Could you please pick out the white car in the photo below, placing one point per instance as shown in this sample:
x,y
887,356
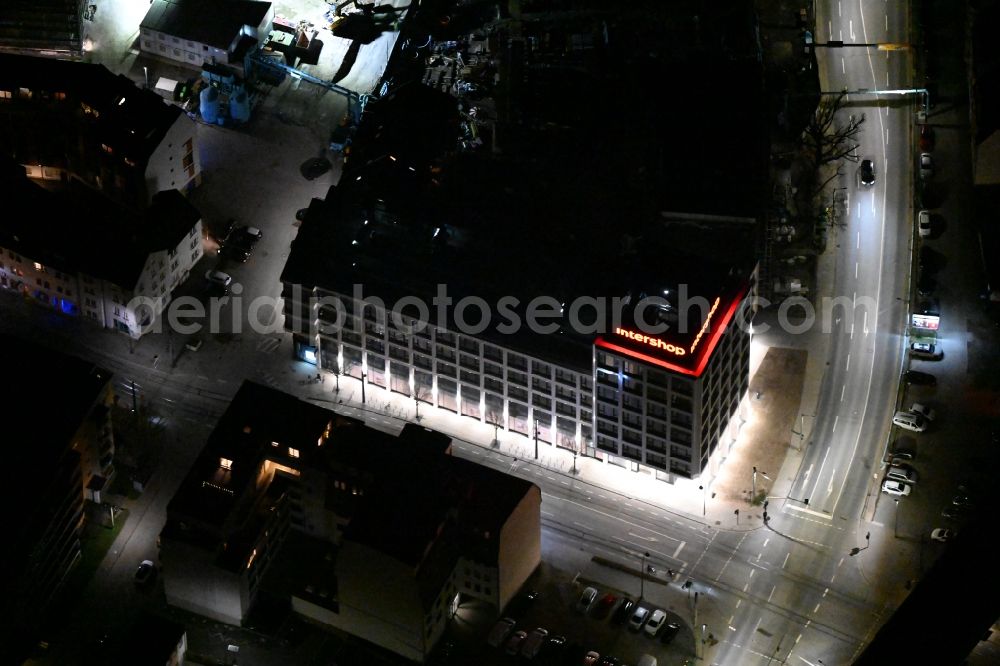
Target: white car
x,y
219,278
924,223
926,165
897,488
910,421
655,622
638,618
926,350
942,534
923,410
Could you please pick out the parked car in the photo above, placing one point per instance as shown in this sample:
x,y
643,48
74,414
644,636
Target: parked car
x,y
639,617
926,284
918,378
225,230
553,648
926,138
247,237
605,605
907,474
926,165
591,658
515,641
924,223
953,512
145,573
897,488
521,603
234,253
942,534
923,410
670,632
908,421
927,351
533,643
219,278
655,623
963,501
301,213
608,660
500,631
623,612
586,600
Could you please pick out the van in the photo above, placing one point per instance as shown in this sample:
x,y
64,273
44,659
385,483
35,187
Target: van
x,y
910,421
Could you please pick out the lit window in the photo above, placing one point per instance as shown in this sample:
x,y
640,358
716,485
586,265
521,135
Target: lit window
x,y
253,555
275,444
294,453
225,463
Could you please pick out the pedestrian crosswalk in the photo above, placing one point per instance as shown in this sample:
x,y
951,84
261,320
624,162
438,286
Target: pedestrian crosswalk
x,y
268,345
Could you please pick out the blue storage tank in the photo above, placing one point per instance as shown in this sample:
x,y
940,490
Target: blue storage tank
x,y
209,105
239,106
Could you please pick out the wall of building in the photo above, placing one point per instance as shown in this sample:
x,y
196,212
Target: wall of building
x,y
520,548
175,164
191,53
192,582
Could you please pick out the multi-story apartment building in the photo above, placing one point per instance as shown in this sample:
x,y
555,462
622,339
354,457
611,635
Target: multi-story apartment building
x,y
62,450
66,120
50,28
343,510
83,255
217,32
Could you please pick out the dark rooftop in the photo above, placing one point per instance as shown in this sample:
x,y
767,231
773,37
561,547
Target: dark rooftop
x,y
573,204
76,229
213,22
130,120
41,25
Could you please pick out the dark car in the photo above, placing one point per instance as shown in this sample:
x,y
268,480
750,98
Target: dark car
x,y
624,611
926,138
605,605
145,573
866,172
920,378
246,237
521,603
670,632
301,213
225,230
314,168
953,512
234,253
552,650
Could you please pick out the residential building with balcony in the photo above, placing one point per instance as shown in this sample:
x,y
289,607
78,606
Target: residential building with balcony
x,y
85,256
64,120
64,444
332,509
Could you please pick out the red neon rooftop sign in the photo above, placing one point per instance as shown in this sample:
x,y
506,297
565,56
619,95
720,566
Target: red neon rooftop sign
x,y
674,356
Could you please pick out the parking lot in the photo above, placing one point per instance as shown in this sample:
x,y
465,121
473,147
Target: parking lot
x,y
554,609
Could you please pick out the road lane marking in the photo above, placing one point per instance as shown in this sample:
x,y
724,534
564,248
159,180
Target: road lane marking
x,y
843,65
786,560
639,536
773,587
848,366
866,323
680,546
842,389
859,233
815,610
850,25
855,270
802,509
835,419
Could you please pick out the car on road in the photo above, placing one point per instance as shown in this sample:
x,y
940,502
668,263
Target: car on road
x,y
145,573
866,172
639,617
897,488
926,138
926,165
655,623
918,378
923,410
924,223
500,631
669,632
927,351
942,534
533,643
899,473
591,658
515,641
219,278
586,600
623,612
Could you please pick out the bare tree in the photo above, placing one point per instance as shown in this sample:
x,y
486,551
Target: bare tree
x,y
421,393
824,140
495,419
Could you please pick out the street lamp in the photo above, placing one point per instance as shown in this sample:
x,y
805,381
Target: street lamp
x,y
364,376
753,494
895,525
642,575
703,500
536,439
